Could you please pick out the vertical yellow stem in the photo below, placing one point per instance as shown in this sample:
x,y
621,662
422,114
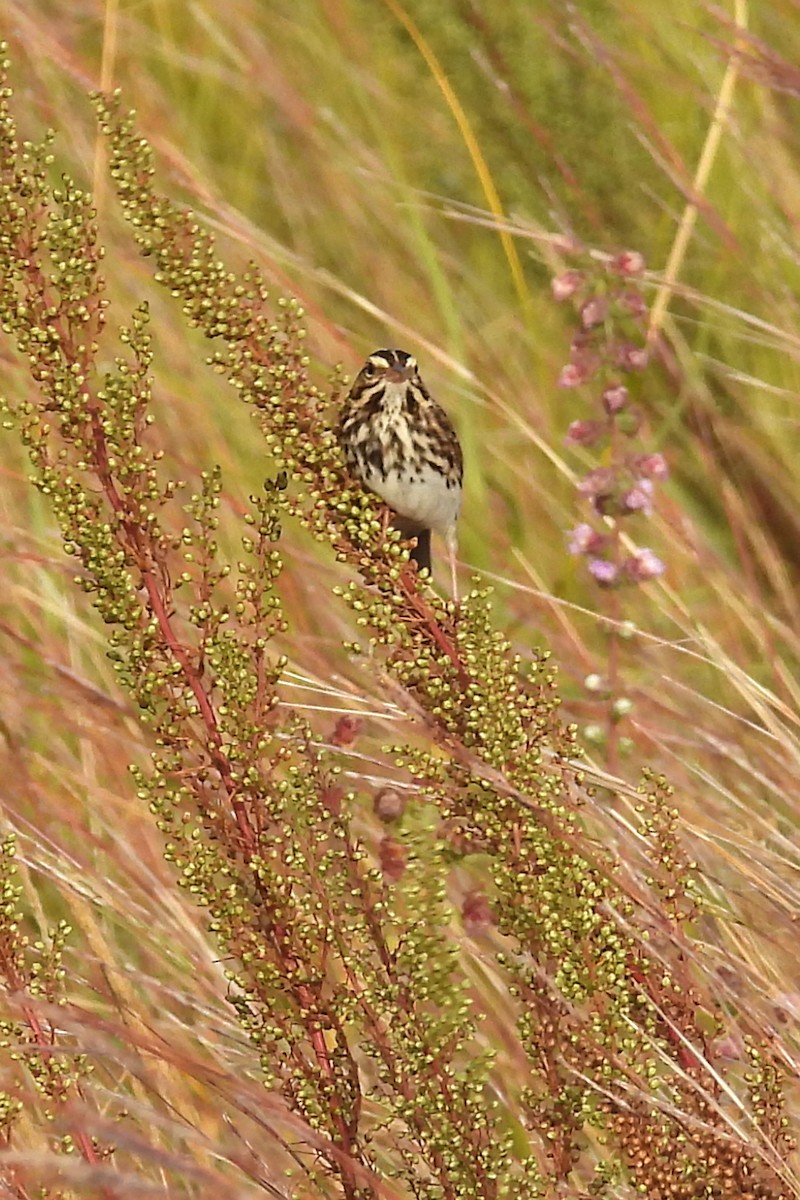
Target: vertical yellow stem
x,y
471,142
683,236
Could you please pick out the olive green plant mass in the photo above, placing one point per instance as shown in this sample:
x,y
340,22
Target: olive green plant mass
x,y
344,900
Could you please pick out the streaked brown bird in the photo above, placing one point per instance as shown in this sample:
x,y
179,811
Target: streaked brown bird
x,y
401,445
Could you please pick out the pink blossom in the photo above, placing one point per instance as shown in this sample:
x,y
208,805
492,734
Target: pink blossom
x,y
639,498
598,482
583,539
644,565
652,466
594,312
566,285
603,572
572,375
629,262
615,397
631,358
585,433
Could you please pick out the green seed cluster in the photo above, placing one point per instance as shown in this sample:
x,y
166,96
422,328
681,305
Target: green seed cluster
x,y
590,1005
433,1081
673,875
45,1068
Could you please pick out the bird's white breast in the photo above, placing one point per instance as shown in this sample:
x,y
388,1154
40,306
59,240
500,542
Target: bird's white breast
x,y
420,495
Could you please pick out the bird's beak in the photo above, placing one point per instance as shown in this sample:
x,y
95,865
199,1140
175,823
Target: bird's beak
x,y
399,376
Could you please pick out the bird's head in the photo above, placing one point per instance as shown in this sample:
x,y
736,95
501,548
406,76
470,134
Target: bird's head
x,y
387,366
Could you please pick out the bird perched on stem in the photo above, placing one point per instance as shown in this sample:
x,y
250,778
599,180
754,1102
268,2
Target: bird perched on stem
x,y
401,445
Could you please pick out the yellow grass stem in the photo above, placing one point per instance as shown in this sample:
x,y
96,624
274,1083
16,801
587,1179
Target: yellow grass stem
x,y
471,142
719,121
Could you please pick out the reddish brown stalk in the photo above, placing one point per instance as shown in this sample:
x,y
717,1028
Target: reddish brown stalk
x,y
176,648
427,618
45,1048
39,293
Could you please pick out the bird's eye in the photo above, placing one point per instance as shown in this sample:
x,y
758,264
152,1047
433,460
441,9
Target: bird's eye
x,y
369,371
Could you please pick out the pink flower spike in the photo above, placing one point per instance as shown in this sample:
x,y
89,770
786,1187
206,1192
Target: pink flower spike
x,y
644,565
572,375
629,262
615,397
566,285
639,498
652,466
603,572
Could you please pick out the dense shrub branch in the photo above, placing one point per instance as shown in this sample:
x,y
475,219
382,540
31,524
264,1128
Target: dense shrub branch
x,y
342,971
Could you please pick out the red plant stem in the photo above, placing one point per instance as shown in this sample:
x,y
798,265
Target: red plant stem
x,y
423,610
159,609
46,1049
38,295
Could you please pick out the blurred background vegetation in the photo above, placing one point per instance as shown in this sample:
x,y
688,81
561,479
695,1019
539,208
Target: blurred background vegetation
x,y
414,172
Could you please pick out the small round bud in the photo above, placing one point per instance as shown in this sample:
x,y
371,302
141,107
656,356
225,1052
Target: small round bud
x,y
594,312
573,375
346,730
565,285
476,913
639,498
631,358
603,572
644,565
652,466
629,262
585,433
388,804
583,539
615,397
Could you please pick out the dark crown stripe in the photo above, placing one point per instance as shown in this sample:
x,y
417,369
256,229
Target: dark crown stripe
x,y
390,358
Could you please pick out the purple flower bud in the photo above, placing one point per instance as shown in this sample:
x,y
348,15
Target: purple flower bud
x,y
639,498
615,397
594,312
572,375
566,285
585,433
603,572
631,358
585,540
629,262
600,488
651,466
644,565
